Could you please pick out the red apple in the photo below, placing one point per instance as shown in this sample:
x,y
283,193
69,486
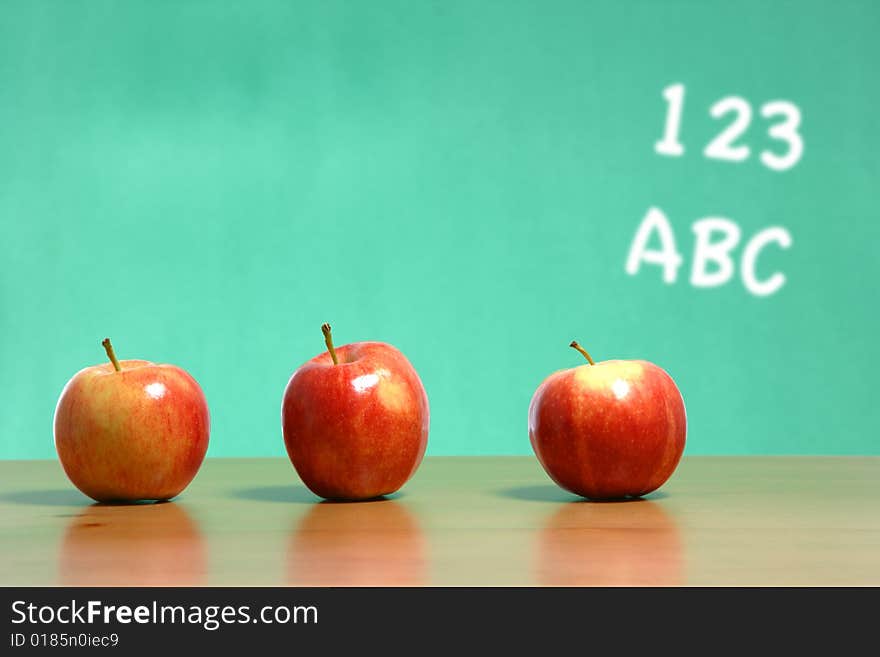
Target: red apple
x,y
355,420
131,430
608,430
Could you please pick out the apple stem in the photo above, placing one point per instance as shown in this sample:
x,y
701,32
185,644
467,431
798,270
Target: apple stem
x,y
575,345
111,354
328,340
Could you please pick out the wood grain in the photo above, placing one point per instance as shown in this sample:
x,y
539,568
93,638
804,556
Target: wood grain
x,y
460,521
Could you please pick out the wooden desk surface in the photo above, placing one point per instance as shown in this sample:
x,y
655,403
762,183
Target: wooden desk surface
x,y
460,521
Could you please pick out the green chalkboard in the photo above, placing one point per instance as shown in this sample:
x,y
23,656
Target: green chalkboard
x,y
478,183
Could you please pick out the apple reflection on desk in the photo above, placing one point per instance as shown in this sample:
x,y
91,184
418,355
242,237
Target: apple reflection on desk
x,y
630,543
157,544
375,543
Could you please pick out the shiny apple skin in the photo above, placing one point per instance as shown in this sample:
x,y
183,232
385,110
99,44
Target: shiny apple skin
x,y
611,430
137,434
356,430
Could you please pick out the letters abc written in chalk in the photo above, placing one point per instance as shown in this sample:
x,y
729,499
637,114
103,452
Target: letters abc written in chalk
x,y
715,239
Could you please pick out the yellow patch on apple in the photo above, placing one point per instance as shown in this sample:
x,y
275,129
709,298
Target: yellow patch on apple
x,y
597,377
